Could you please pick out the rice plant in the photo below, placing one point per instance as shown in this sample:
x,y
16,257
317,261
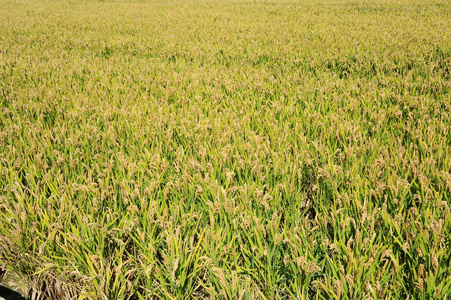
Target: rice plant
x,y
226,149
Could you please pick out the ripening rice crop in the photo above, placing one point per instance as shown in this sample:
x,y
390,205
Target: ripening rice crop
x,y
226,149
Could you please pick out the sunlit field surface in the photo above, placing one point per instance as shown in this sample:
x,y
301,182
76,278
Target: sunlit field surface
x,y
226,149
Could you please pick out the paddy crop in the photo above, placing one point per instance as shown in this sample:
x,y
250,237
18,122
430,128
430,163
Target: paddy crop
x,y
226,149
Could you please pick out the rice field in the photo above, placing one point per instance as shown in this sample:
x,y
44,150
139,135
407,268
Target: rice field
x,y
226,149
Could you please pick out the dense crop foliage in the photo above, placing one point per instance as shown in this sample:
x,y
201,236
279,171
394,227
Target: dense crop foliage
x,y
226,149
